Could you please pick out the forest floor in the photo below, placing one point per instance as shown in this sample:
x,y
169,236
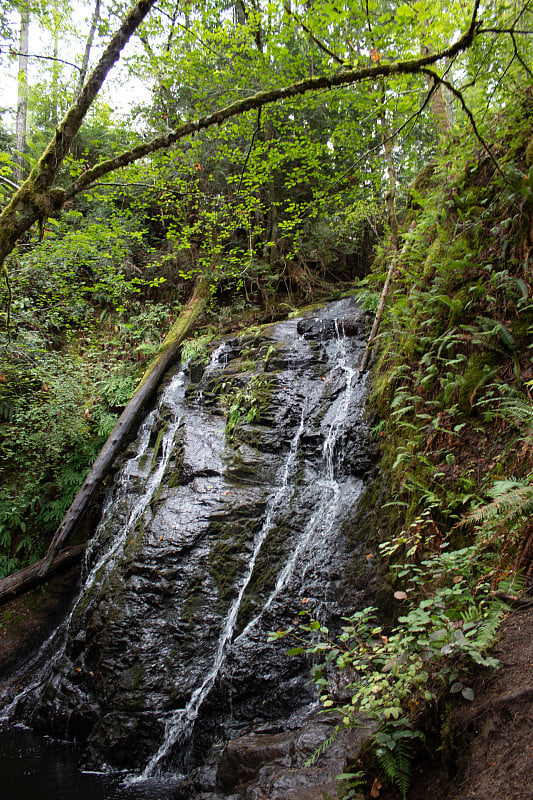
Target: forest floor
x,y
489,742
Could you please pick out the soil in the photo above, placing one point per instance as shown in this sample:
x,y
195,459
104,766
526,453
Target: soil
x,y
487,744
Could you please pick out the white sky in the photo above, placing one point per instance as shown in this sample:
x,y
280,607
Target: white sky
x,y
120,93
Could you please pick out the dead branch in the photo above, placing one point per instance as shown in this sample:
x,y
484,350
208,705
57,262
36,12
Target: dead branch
x,y
30,577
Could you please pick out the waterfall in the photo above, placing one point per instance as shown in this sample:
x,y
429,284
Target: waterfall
x,y
176,727
206,544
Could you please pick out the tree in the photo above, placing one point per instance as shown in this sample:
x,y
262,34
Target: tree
x,y
38,197
22,103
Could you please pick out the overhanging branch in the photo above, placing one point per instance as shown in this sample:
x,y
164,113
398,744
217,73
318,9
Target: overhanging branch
x,y
261,99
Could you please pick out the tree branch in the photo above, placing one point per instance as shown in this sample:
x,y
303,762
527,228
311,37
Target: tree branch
x,y
260,99
11,184
312,36
36,199
13,52
256,131
504,30
88,45
519,57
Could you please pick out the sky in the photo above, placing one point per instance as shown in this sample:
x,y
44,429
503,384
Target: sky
x,y
121,92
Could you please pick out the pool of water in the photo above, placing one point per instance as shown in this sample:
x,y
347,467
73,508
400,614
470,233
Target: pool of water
x,y
38,768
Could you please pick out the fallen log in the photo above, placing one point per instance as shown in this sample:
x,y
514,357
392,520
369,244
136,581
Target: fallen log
x,y
393,269
151,379
30,577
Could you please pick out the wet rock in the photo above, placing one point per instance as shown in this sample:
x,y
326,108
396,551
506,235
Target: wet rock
x,y
323,328
274,765
243,758
353,326
206,544
126,739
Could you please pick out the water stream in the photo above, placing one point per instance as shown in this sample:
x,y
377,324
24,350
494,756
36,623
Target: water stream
x,y
204,545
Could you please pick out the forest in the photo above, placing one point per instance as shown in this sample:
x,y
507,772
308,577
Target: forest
x,y
175,172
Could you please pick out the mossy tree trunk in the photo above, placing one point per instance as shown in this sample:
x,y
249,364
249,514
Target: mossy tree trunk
x,y
36,199
168,353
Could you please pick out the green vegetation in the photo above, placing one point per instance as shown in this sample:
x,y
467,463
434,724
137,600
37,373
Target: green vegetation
x,y
280,144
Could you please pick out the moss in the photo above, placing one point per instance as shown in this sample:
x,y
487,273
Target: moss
x,y
265,573
227,556
529,153
193,602
436,251
137,672
522,328
143,461
477,373
174,472
421,184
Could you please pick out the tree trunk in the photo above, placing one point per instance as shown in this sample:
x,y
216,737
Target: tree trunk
x,y
441,108
30,577
88,46
168,353
22,102
395,259
36,199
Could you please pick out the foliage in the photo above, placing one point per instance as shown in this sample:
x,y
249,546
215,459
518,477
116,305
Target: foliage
x,y
451,395
389,675
243,405
81,331
196,349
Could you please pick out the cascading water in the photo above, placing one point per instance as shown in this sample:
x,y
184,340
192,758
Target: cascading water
x,y
207,544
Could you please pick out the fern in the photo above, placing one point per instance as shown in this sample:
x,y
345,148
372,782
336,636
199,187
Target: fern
x,y
394,755
323,747
517,410
486,634
513,499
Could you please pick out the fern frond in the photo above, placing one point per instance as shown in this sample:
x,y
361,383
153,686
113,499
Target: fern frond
x,y
517,410
512,499
397,764
322,748
486,634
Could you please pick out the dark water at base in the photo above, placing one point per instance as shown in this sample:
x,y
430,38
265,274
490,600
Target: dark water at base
x,y
36,768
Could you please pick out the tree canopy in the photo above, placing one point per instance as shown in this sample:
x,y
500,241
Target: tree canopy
x,y
332,80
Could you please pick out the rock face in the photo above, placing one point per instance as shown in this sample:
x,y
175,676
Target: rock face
x,y
226,519
276,765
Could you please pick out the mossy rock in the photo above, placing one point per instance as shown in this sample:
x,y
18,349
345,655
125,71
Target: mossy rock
x,y
227,557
